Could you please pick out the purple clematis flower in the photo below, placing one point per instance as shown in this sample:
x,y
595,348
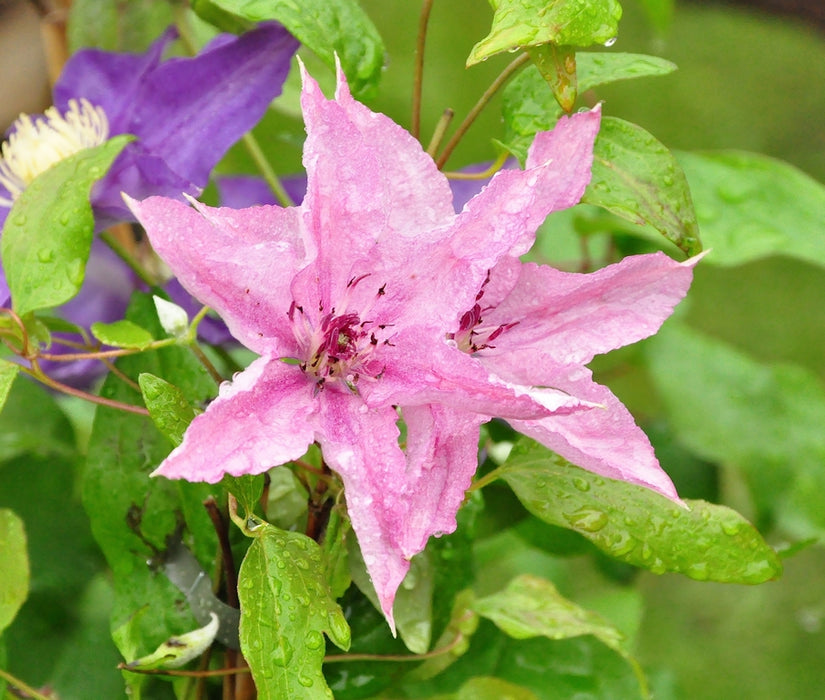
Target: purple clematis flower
x,y
348,299
185,113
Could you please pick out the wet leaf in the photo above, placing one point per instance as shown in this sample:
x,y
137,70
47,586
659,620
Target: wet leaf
x,y
634,524
122,334
14,563
8,372
750,206
521,23
327,27
286,607
48,233
529,107
637,178
168,407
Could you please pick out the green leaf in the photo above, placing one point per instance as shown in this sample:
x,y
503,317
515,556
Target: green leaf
x,y
122,334
637,178
247,489
521,23
327,27
286,606
750,206
8,373
336,557
529,107
557,65
49,230
117,26
763,419
531,607
132,514
167,405
14,563
179,650
51,434
636,525
489,688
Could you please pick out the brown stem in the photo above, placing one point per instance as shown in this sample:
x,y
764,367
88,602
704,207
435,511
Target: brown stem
x,y
38,374
495,86
206,362
418,79
228,561
208,673
440,130
319,507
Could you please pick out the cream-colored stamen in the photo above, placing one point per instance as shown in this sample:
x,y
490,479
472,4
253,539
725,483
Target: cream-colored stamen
x,y
37,144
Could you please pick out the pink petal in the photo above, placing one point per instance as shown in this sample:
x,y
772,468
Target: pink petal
x,y
239,262
418,371
572,317
362,447
261,419
371,188
504,216
605,440
442,456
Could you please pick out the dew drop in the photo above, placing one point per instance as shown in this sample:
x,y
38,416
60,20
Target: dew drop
x,y
588,519
313,640
581,484
731,528
698,571
610,42
45,255
20,220
305,680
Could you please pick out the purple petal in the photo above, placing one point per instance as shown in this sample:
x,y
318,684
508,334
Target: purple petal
x,y
239,191
109,80
189,111
239,262
263,418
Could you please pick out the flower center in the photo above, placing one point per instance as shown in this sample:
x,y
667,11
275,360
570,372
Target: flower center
x,y
472,335
37,144
339,346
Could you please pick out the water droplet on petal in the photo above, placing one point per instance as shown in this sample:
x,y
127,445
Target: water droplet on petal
x,y
610,41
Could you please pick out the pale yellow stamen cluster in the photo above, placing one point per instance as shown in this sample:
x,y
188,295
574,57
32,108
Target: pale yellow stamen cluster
x,y
37,144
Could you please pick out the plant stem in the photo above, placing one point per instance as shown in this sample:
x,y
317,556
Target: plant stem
x,y
254,150
41,376
120,250
492,170
503,77
488,478
440,130
20,685
418,79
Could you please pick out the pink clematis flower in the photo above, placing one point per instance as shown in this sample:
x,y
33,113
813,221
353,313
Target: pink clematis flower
x,y
348,299
535,325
